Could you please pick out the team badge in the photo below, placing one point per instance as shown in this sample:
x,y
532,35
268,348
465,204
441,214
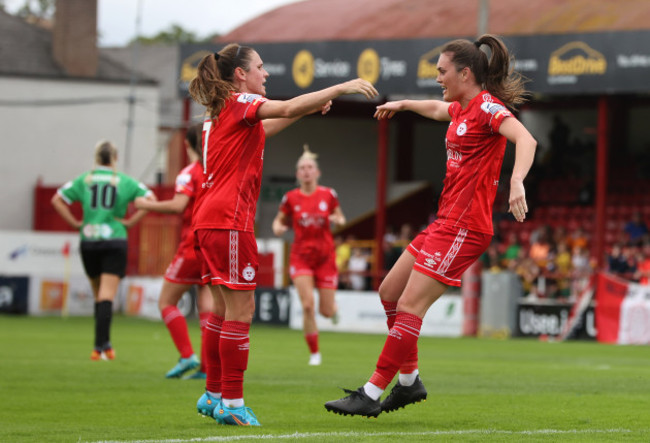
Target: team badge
x,y
248,273
462,129
322,205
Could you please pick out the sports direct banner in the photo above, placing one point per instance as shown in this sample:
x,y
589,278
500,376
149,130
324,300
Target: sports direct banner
x,y
622,311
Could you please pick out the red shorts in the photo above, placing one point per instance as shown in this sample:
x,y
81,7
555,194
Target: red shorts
x,y
228,258
185,268
444,252
322,268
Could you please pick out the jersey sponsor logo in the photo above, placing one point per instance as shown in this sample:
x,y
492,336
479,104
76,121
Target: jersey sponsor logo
x,y
249,98
307,220
492,108
248,273
97,231
454,158
461,129
183,179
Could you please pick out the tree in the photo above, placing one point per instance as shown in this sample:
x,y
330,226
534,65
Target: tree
x,y
175,34
37,9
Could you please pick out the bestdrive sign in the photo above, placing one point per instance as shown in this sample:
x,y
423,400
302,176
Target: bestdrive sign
x,y
596,63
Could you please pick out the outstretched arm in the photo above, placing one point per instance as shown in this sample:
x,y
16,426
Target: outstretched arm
x,y
525,146
176,205
311,102
433,109
274,125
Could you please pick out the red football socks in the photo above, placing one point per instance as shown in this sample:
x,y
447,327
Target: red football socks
x,y
411,362
203,321
401,341
211,340
177,327
312,342
233,349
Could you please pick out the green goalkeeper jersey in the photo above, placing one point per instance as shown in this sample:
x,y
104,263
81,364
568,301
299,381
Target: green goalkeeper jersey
x,y
104,196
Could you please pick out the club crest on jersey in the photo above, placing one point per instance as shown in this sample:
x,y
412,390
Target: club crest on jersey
x,y
322,205
461,129
248,273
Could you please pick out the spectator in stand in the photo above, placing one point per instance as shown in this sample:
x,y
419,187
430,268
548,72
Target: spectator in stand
x,y
582,268
578,239
616,261
560,235
529,273
636,229
358,269
343,250
540,247
512,252
491,259
563,269
643,270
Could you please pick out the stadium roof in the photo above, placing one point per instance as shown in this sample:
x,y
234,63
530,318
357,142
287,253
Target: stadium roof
x,y
320,20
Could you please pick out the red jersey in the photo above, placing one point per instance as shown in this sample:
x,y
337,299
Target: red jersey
x,y
233,152
475,152
309,215
188,182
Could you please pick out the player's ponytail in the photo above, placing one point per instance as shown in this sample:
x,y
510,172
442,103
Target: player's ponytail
x,y
105,155
215,75
307,155
494,73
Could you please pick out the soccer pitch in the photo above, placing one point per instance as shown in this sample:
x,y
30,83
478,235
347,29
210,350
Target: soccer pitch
x,y
480,390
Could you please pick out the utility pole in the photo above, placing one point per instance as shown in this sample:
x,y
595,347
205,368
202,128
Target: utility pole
x,y
132,89
483,17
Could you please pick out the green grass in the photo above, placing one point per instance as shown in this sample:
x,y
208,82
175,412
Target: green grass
x,y
480,390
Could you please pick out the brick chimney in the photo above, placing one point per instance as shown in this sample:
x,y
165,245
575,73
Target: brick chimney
x,y
74,38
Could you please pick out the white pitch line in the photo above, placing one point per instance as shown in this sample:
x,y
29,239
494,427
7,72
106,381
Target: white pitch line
x,y
307,435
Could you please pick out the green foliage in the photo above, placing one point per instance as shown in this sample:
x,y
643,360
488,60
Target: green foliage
x,y
41,9
175,34
480,390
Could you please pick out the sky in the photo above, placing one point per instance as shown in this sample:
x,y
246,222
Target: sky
x,y
117,18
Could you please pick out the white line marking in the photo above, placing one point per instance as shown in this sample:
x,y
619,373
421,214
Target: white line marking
x,y
306,435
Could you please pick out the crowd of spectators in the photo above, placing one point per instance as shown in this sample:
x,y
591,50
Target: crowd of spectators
x,y
557,264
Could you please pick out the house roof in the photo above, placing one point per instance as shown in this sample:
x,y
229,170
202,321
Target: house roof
x,y
323,20
26,50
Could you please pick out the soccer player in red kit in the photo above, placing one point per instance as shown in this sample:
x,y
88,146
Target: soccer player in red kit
x,y
185,269
475,90
310,209
230,84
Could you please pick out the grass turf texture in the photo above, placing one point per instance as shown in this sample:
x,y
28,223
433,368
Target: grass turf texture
x,y
479,389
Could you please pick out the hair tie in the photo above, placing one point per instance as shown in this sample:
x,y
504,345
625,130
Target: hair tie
x,y
477,44
216,56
